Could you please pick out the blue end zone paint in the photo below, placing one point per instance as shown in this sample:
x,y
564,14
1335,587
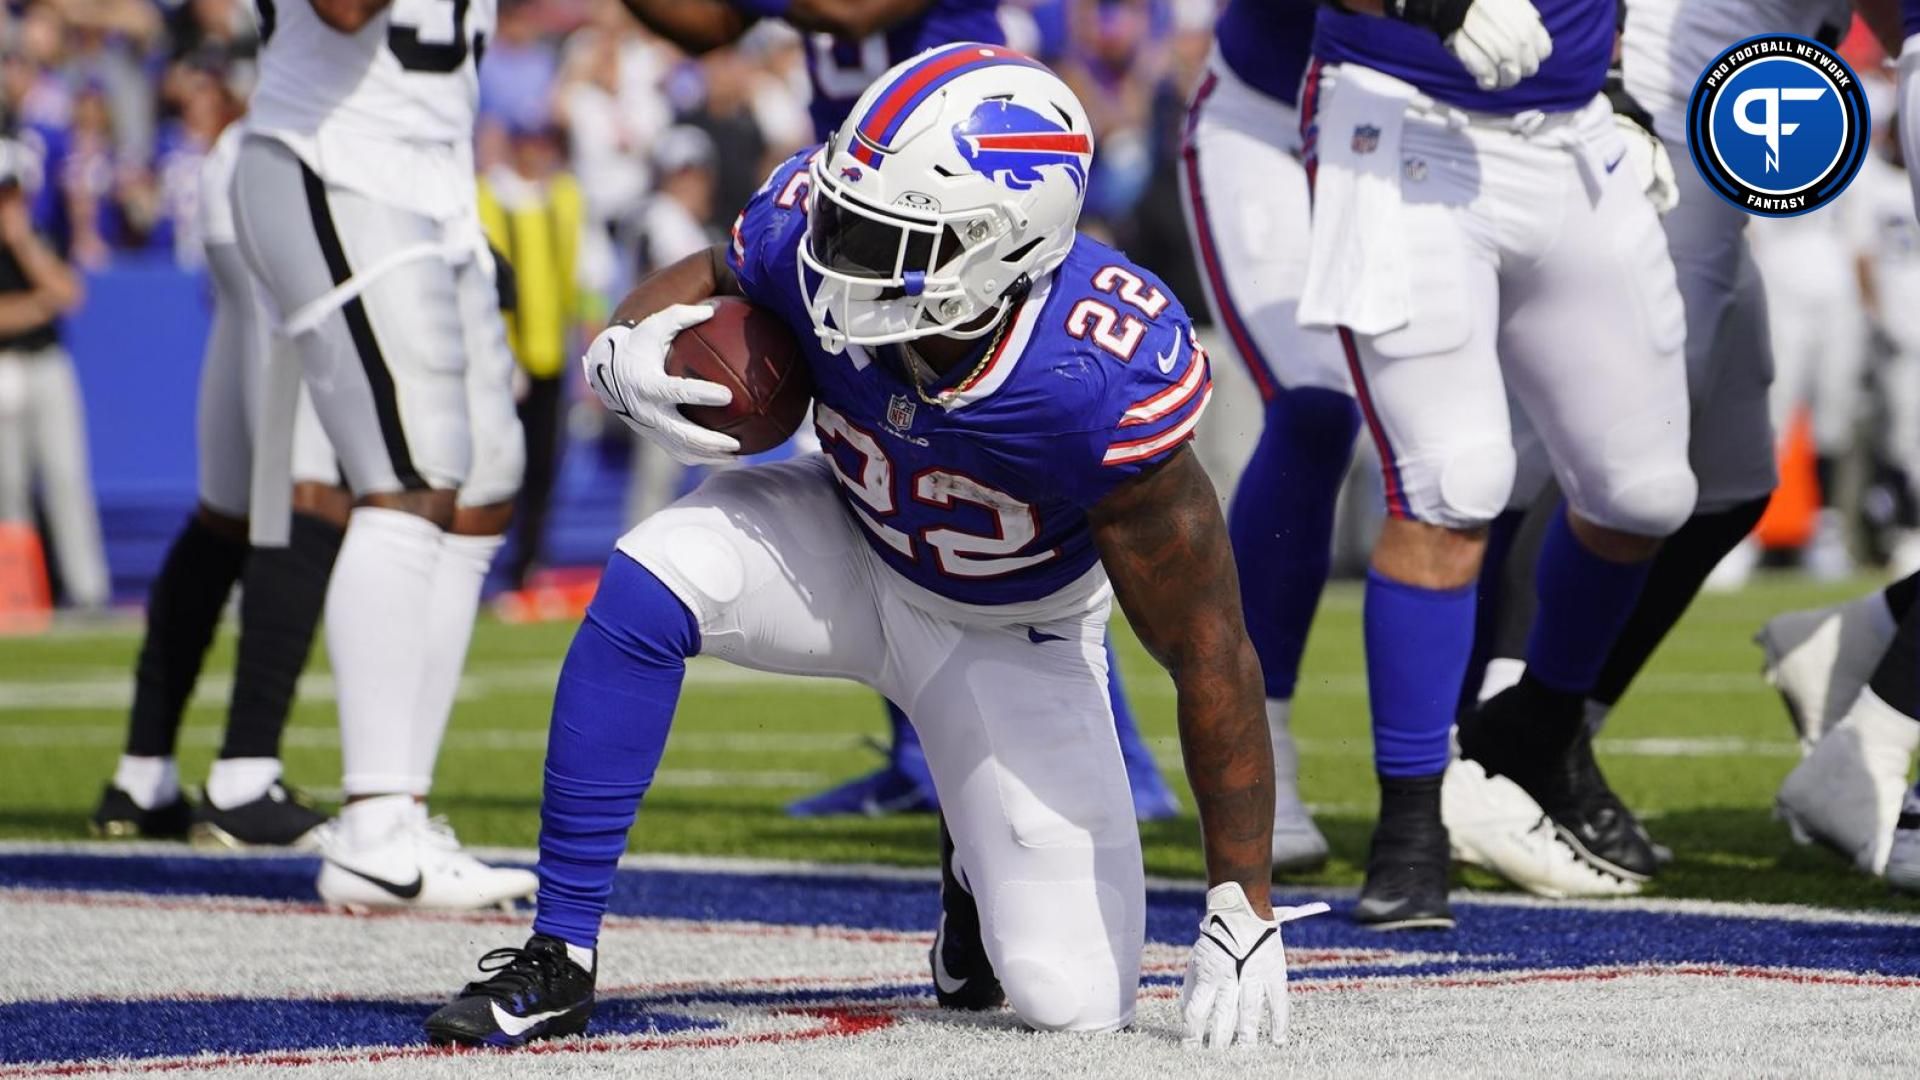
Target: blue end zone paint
x,y
88,1030
1488,938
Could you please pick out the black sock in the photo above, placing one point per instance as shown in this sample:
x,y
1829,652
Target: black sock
x,y
1897,680
280,602
183,608
1826,473
1684,561
1409,812
1900,596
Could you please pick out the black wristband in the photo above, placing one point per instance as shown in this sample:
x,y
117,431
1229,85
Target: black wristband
x,y
1624,104
1442,17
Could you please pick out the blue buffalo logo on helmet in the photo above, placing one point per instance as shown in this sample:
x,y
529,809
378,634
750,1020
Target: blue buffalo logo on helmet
x,y
1010,144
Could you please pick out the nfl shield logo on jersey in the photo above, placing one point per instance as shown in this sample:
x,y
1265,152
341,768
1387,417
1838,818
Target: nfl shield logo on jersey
x,y
900,412
1366,138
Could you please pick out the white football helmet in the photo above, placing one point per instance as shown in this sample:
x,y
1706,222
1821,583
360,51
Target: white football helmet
x,y
958,177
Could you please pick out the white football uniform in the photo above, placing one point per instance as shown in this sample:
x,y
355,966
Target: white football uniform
x,y
1248,208
236,353
1815,319
1665,44
1479,258
355,204
1909,106
1879,209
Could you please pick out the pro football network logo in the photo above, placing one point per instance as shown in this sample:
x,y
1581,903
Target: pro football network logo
x,y
1778,125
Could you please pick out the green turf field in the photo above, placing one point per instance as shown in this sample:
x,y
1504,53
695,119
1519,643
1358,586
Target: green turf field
x,y
1698,747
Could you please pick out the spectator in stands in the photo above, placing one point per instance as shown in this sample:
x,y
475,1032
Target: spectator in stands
x,y
517,78
534,215
612,105
43,434
203,106
1115,66
675,226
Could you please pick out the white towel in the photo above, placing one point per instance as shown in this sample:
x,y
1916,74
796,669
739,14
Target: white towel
x,y
1356,266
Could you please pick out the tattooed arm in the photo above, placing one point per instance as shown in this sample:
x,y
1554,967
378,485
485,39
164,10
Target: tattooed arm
x,y
1165,548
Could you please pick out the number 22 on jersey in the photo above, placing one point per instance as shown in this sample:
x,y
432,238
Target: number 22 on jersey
x,y
955,553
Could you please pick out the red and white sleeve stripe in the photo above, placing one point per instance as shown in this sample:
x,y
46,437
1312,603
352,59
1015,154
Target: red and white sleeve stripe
x,y
1174,411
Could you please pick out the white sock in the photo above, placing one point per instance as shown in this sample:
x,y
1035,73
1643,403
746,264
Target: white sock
x,y
150,781
1502,672
238,781
1881,723
368,822
379,631
1286,760
462,570
581,956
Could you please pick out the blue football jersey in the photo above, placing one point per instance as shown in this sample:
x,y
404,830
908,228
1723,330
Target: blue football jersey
x,y
1267,43
1582,32
841,69
980,495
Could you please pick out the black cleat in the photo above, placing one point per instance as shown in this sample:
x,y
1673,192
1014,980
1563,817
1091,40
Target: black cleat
x,y
1407,866
280,818
963,977
535,992
118,817
1538,738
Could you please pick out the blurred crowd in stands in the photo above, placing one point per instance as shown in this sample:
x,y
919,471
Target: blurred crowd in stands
x,y
122,98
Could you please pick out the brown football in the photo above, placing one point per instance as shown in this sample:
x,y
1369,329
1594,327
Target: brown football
x,y
750,350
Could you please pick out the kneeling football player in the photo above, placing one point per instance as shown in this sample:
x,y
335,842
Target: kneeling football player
x,y
1004,408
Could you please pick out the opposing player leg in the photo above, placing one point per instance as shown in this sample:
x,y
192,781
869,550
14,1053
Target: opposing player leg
x,y
759,566
1247,205
1046,855
1592,343
387,372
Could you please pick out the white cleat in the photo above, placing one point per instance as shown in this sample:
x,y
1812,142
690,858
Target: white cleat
x,y
418,864
1846,794
1903,859
1820,659
1495,825
1298,847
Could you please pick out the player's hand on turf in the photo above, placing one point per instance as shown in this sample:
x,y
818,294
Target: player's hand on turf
x,y
1237,975
626,366
1647,157
1500,42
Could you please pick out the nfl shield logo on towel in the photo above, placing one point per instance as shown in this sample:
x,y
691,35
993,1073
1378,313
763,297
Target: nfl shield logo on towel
x,y
900,412
1366,138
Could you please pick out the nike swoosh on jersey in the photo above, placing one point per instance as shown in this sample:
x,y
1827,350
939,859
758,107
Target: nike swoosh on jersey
x,y
1615,163
409,891
947,983
516,1026
1166,359
1039,638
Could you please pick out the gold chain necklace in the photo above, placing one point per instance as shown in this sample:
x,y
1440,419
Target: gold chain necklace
x,y
993,349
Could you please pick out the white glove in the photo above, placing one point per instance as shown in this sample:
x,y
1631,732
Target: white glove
x,y
1238,971
1500,42
1647,157
627,367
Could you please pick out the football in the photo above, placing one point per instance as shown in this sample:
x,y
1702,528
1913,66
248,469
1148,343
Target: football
x,y
750,350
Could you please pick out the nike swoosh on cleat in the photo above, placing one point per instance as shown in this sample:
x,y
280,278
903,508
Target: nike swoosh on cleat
x,y
409,891
941,978
1039,638
516,1026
